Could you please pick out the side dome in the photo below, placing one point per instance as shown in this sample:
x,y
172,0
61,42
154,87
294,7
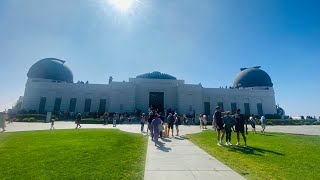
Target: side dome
x,y
51,68
156,75
252,77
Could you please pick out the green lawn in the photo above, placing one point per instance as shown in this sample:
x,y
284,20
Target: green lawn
x,y
269,155
72,154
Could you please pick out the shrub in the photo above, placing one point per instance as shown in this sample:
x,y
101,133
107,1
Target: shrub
x,y
30,119
289,122
307,123
316,123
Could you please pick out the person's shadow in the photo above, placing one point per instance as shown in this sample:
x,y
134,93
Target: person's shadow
x,y
161,146
166,140
180,138
252,150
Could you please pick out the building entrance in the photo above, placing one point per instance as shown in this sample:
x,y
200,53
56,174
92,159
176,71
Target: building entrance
x,y
156,101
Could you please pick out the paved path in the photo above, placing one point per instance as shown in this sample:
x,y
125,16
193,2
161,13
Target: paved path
x,y
18,126
306,130
178,158
134,128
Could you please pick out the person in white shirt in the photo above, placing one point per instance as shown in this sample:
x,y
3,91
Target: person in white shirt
x,y
263,123
252,121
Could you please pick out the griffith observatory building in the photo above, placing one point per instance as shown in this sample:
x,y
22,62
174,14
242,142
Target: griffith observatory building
x,y
50,88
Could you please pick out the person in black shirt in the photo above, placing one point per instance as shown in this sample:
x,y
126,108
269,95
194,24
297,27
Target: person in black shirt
x,y
170,121
240,123
218,124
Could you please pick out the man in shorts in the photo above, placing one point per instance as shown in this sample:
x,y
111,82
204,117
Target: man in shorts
x,y
240,122
218,124
170,121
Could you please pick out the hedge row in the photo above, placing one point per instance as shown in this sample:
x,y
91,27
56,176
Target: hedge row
x,y
291,122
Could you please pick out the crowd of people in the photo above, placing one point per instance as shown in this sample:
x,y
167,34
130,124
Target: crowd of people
x,y
162,125
223,122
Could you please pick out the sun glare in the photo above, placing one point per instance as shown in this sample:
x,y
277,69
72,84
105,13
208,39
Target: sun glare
x,y
122,5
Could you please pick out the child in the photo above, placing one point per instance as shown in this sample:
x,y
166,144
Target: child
x,y
52,124
228,124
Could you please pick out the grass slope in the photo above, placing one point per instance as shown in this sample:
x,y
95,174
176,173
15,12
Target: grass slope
x,y
72,154
269,155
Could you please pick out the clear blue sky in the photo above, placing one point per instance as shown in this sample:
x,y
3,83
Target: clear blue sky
x,y
199,41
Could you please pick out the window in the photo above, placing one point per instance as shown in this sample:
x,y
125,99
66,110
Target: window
x,y
220,104
260,110
42,105
87,105
57,105
72,106
233,108
102,106
247,109
190,108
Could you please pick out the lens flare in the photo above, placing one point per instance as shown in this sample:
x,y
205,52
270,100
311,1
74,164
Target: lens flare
x,y
122,5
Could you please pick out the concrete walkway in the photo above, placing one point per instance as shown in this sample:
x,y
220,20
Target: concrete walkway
x,y
305,130
135,128
178,158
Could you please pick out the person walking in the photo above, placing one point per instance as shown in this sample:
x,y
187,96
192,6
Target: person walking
x,y
218,124
121,119
114,121
201,121
130,119
204,121
52,124
177,122
2,121
263,123
253,123
105,118
142,121
156,130
240,123
228,124
78,120
150,127
184,119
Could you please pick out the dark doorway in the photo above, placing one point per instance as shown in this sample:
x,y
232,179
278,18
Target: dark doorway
x,y
207,108
156,100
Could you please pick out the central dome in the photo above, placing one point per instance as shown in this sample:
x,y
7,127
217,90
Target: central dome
x,y
51,68
156,75
252,77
